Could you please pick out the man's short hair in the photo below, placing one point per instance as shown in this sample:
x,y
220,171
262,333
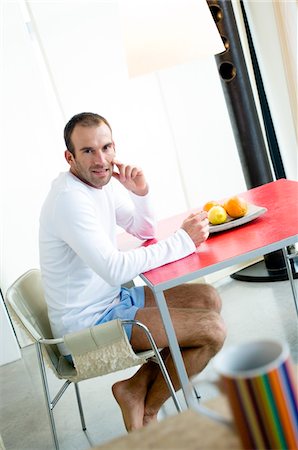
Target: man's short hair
x,y
85,119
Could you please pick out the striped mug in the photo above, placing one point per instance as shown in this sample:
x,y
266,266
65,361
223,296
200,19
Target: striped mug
x,y
259,380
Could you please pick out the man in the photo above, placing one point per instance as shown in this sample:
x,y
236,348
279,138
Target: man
x,y
83,270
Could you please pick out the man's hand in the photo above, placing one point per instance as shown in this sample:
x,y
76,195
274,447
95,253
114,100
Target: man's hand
x,y
131,177
197,226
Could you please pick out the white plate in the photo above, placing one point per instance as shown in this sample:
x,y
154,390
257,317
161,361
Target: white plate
x,y
253,212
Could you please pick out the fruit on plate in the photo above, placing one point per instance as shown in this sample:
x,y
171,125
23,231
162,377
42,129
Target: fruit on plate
x,y
209,205
236,207
217,215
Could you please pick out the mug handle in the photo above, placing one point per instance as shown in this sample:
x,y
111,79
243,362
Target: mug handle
x,y
195,404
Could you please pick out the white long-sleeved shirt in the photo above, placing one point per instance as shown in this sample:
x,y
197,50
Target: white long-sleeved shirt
x,y
82,268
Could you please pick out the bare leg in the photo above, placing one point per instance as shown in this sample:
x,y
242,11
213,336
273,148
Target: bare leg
x,y
195,356
194,359
130,394
200,333
196,295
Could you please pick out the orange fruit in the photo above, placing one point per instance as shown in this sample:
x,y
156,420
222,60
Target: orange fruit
x,y
236,207
209,205
217,215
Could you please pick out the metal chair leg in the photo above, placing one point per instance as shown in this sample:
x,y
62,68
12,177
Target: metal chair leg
x,y
47,394
80,406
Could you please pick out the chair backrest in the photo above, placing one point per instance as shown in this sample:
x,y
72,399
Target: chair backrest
x,y
27,305
97,351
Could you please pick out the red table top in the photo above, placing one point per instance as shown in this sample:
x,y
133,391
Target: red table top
x,y
276,228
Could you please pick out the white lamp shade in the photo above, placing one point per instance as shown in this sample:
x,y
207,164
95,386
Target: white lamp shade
x,y
162,33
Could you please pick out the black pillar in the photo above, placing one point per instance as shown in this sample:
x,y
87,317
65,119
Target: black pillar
x,y
239,98
248,134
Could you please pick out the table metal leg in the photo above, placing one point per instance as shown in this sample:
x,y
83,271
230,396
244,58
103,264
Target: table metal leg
x,y
174,347
290,275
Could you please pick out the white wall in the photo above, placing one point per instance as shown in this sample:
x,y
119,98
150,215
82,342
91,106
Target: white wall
x,y
269,50
174,124
84,51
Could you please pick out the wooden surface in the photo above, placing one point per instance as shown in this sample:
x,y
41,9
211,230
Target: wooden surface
x,y
188,430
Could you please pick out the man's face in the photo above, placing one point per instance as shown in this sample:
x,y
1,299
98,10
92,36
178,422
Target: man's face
x,y
94,152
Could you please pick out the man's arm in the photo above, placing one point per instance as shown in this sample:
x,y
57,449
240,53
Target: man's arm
x,y
133,179
79,227
135,214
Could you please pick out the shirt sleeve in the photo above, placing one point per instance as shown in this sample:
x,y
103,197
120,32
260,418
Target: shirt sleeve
x,y
135,214
76,223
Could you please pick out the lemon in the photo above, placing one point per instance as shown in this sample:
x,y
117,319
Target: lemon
x,y
217,215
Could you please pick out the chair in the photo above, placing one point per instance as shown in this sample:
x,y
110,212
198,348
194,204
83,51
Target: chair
x,y
96,351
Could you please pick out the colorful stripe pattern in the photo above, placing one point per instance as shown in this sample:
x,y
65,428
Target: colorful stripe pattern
x,y
265,408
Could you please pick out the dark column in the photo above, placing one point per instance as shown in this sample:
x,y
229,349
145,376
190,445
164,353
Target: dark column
x,y
250,141
239,98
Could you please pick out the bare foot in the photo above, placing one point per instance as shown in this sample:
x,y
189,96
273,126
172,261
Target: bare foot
x,y
148,418
131,398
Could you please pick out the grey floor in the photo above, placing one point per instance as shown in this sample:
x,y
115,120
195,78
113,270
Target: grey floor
x,y
250,310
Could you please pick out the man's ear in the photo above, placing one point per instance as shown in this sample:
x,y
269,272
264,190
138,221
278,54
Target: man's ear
x,y
68,156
